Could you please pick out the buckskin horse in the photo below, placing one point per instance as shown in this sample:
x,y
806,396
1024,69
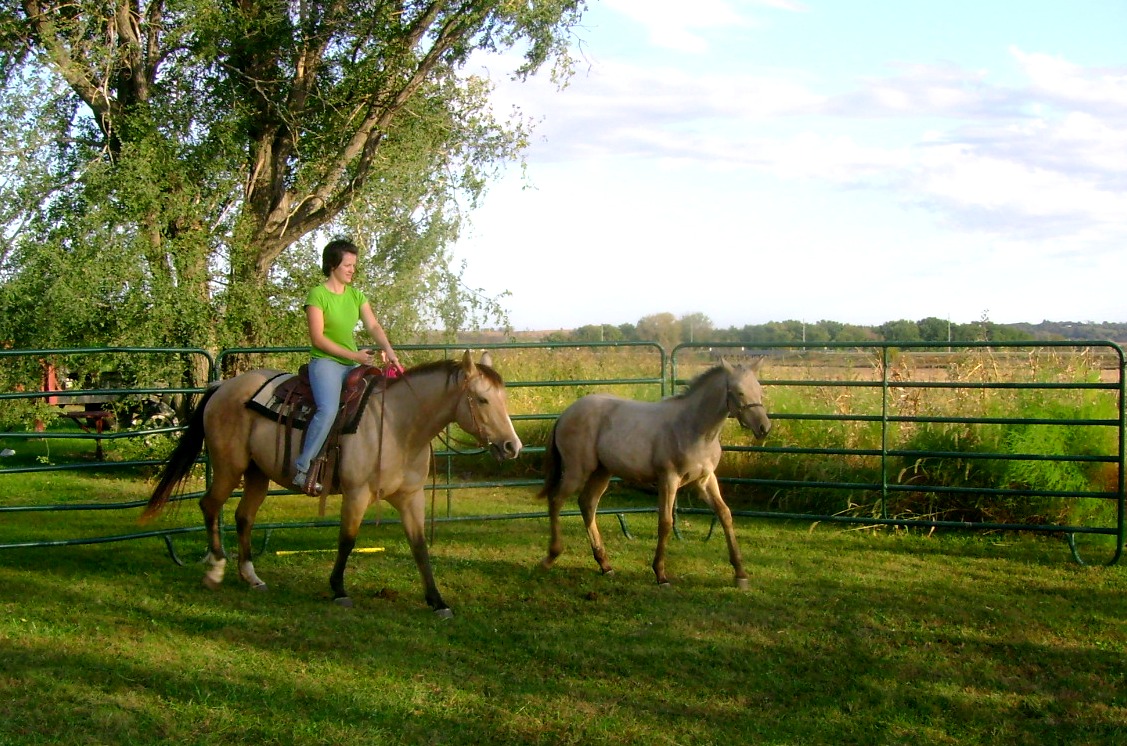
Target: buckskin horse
x,y
387,458
669,444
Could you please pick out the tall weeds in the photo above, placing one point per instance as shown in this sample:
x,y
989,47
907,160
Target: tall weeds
x,y
962,426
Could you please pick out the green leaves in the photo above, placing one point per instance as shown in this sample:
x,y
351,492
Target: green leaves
x,y
168,176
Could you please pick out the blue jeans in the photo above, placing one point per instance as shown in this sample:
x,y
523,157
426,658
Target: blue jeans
x,y
326,378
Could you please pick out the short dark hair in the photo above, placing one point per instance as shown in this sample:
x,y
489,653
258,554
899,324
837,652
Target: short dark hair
x,y
334,252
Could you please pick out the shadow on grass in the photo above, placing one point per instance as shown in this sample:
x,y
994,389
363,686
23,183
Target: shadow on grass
x,y
842,638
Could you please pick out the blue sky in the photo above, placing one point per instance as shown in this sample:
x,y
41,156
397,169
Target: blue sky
x,y
855,161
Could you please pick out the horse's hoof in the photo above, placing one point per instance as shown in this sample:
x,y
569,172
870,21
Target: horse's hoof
x,y
343,601
546,563
664,584
444,613
259,586
741,584
608,573
211,585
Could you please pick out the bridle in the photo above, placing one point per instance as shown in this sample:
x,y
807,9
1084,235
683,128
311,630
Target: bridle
x,y
474,409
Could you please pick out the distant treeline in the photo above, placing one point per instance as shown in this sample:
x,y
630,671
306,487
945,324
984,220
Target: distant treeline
x,y
670,330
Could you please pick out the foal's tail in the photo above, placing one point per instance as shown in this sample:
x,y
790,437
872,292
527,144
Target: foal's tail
x,y
181,461
552,467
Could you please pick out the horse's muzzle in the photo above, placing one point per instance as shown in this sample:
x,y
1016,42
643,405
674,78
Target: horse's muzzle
x,y
506,450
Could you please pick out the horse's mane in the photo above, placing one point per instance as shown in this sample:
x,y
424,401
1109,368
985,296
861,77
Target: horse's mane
x,y
700,381
452,368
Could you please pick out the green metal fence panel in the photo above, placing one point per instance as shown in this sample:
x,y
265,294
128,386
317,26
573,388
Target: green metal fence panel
x,y
866,433
639,371
631,368
56,403
1024,423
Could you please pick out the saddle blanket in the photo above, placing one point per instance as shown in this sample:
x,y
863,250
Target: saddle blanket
x,y
283,398
268,403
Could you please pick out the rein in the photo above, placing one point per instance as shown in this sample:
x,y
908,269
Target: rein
x,y
445,439
379,449
379,441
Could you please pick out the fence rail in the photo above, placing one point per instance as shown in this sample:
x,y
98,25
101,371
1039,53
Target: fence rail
x,y
857,426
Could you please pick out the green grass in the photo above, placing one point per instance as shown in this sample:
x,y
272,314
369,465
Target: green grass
x,y
844,637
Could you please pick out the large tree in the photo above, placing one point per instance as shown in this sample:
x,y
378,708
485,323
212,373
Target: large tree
x,y
167,163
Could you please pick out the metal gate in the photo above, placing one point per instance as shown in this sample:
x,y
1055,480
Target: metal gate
x,y
888,434
912,434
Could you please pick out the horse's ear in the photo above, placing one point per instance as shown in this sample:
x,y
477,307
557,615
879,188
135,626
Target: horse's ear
x,y
468,366
727,366
486,359
757,363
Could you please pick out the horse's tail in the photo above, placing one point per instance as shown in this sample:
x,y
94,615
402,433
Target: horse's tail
x,y
181,461
553,471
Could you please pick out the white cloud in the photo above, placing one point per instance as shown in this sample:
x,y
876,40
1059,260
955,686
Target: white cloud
x,y
931,90
1068,81
642,157
1094,142
676,25
978,160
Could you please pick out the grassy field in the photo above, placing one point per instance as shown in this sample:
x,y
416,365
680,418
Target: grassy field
x,y
845,637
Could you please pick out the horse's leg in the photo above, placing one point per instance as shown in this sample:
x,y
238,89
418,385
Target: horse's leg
x,y
666,496
223,482
412,513
353,504
589,507
711,491
255,485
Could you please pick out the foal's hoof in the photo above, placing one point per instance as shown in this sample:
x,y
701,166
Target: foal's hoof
x,y
664,584
259,586
444,613
741,584
609,573
211,585
343,601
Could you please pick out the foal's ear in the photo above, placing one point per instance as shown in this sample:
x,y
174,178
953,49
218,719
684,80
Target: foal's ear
x,y
756,363
486,359
726,365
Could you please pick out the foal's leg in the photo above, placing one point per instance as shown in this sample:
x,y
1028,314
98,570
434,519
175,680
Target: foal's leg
x,y
710,489
255,485
223,482
555,540
666,496
570,480
589,506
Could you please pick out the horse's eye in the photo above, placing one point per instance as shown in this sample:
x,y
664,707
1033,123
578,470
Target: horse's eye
x,y
482,400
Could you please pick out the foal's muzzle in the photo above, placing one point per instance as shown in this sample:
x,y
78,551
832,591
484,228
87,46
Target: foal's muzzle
x,y
754,417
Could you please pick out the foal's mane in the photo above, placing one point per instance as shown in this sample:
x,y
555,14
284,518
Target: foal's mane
x,y
452,368
702,380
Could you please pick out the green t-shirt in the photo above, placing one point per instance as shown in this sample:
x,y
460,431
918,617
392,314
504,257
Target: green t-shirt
x,y
341,312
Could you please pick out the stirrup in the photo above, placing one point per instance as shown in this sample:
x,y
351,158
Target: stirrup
x,y
307,485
